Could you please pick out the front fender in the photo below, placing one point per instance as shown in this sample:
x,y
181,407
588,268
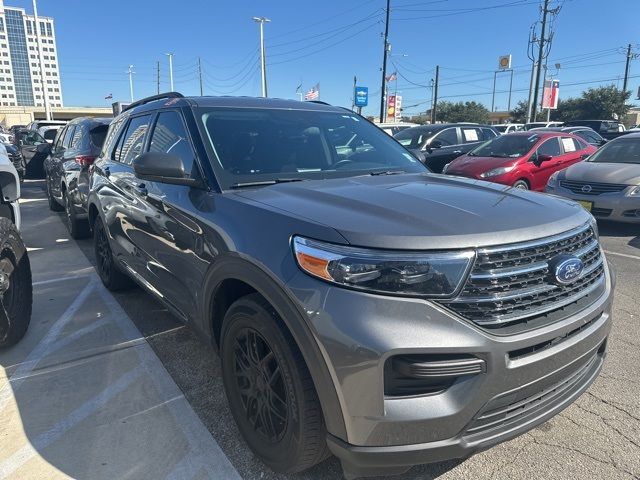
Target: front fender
x,y
239,267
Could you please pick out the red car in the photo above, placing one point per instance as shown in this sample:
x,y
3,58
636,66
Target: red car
x,y
523,159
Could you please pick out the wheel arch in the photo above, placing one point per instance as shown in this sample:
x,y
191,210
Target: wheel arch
x,y
234,276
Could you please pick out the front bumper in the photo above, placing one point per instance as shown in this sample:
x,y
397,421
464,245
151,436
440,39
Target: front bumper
x,y
358,332
607,206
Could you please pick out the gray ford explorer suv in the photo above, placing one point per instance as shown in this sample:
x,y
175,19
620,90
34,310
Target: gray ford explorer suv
x,y
361,305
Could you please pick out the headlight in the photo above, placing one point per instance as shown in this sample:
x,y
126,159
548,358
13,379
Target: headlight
x,y
425,274
553,179
594,225
497,171
634,192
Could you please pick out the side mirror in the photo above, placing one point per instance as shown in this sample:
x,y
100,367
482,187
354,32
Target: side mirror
x,y
44,148
435,144
162,168
540,159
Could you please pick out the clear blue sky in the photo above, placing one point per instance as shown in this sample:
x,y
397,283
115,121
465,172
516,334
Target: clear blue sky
x,y
330,41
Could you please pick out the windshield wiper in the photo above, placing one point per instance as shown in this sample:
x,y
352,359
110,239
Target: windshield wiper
x,y
387,172
263,183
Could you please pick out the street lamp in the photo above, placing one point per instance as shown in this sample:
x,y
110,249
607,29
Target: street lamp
x,y
263,63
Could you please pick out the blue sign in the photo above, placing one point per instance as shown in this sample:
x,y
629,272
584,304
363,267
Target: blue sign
x,y
361,95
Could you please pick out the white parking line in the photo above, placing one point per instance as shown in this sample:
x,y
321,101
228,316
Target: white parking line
x,y
87,274
22,372
42,441
626,255
204,452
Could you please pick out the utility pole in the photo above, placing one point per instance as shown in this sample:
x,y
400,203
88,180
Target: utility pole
x,y
534,64
353,93
544,39
383,88
170,55
435,95
131,72
158,77
263,60
630,56
431,84
200,76
45,96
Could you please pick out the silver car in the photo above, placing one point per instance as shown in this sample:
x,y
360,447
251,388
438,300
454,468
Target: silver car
x,y
608,183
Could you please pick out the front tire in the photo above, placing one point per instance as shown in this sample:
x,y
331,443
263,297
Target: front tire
x,y
16,290
521,184
108,271
270,391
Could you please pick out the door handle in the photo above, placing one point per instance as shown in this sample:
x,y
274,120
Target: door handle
x,y
457,151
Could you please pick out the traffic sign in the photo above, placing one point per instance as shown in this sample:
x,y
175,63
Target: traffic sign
x,y
361,95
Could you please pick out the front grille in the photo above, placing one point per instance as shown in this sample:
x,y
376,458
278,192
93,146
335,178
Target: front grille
x,y
518,407
509,289
589,188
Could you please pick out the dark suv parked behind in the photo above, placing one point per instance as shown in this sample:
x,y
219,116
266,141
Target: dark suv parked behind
x,y
74,150
360,304
443,142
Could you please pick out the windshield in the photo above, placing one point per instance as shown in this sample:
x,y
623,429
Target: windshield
x,y
414,137
506,146
262,145
620,151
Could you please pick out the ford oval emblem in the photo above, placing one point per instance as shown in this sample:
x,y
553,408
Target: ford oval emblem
x,y
565,269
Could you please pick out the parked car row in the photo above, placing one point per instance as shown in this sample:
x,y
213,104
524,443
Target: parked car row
x,y
336,277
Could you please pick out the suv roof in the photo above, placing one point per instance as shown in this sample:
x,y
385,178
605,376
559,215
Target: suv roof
x,y
177,99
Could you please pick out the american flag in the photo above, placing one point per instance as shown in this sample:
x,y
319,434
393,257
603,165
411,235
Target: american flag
x,y
393,77
314,93
109,97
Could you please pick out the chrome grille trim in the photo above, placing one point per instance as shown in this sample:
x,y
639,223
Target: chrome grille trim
x,y
596,188
509,285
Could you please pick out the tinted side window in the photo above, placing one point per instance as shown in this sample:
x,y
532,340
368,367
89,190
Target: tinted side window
x,y
98,135
489,134
550,147
50,134
447,137
57,143
68,136
170,136
131,143
114,128
76,140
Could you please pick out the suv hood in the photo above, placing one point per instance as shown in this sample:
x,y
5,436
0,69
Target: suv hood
x,y
621,173
421,211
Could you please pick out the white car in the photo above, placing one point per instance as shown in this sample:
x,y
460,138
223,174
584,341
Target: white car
x,y
10,188
509,127
6,138
534,125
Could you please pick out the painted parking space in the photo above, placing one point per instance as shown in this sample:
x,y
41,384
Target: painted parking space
x,y
83,395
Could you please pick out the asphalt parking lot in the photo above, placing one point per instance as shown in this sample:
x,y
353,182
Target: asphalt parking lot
x,y
84,396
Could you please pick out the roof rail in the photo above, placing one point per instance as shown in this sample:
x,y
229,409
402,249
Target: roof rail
x,y
320,102
153,98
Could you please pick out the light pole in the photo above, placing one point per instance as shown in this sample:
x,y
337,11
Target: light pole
x,y
45,96
131,72
170,55
263,60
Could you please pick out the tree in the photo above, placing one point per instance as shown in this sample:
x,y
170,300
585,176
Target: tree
x,y
462,112
595,103
519,112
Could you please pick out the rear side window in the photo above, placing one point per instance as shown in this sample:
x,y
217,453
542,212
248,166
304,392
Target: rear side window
x,y
98,135
114,128
470,134
57,143
489,134
68,136
170,136
131,142
76,140
50,134
550,147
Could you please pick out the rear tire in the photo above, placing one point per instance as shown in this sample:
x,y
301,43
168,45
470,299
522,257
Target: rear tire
x,y
54,206
521,184
270,391
108,271
15,285
78,228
